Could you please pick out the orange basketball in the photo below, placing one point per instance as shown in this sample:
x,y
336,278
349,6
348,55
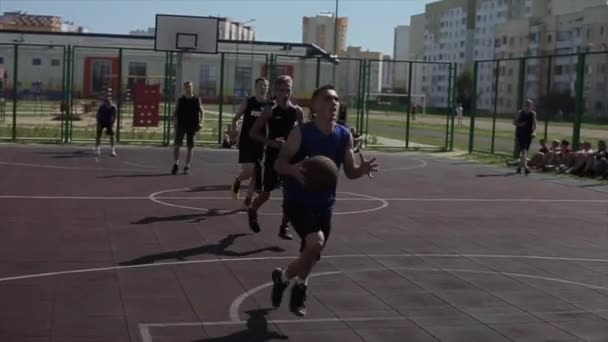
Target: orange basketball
x,y
321,174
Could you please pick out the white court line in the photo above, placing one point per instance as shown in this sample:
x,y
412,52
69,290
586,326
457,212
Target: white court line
x,y
423,164
144,328
383,204
336,256
363,198
236,304
76,168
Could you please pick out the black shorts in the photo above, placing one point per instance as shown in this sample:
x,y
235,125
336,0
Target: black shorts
x,y
250,152
306,220
524,142
180,132
105,126
270,179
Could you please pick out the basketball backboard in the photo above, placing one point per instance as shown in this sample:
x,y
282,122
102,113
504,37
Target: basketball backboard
x,y
180,33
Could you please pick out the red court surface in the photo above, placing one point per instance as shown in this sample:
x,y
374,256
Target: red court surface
x,y
116,249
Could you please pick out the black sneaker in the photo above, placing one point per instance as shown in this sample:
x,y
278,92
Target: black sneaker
x,y
247,202
174,169
298,297
284,233
527,171
236,185
278,287
519,170
186,169
253,220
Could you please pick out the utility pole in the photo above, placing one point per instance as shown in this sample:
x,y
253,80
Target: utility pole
x,y
335,40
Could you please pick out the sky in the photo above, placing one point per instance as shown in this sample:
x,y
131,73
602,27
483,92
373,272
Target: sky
x,y
371,22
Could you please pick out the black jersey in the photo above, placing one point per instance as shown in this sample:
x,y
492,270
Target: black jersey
x,y
527,118
282,121
188,109
253,110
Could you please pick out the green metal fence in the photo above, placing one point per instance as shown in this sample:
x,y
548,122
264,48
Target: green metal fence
x,y
51,93
568,90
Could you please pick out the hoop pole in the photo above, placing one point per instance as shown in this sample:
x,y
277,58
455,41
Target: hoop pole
x,y
178,75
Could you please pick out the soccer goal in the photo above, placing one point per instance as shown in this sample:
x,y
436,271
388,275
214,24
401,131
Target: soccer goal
x,y
388,103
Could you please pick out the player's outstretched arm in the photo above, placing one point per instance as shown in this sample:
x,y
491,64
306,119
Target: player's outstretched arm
x,y
299,115
354,171
283,164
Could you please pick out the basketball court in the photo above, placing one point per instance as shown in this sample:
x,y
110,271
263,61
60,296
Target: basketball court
x,y
117,249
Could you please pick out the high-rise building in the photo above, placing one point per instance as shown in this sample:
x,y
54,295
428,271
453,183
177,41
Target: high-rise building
x,y
416,51
401,52
348,72
228,30
319,30
448,37
34,22
387,74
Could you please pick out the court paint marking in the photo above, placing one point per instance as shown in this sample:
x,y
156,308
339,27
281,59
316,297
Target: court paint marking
x,y
236,304
363,198
423,164
144,328
336,256
75,168
146,335
383,203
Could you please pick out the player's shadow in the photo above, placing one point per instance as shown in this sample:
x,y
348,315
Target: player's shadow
x,y
138,175
257,330
218,249
193,218
506,174
203,188
69,154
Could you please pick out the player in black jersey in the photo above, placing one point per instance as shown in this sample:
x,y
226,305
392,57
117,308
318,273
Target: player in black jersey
x,y
188,120
250,151
272,129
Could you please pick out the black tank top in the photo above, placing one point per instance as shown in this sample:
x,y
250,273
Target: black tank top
x,y
528,119
282,121
253,110
187,111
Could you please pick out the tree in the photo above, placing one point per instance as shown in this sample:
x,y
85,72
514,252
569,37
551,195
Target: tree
x,y
557,105
464,90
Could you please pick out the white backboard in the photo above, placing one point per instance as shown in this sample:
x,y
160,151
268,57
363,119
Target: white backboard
x,y
176,32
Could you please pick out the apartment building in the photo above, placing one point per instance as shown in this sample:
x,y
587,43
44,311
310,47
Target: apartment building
x,y
319,30
567,33
387,74
348,72
448,37
401,52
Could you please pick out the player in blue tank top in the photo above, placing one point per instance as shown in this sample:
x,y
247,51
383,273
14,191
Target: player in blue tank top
x,y
310,213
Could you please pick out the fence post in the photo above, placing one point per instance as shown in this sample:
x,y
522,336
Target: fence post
x,y
70,117
368,77
119,98
63,90
521,90
495,111
67,93
578,100
549,80
221,98
359,93
454,97
318,81
473,106
450,108
15,81
409,105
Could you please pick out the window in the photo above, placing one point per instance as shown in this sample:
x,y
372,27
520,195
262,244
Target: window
x,y
207,81
549,38
242,81
137,74
55,62
1,60
36,61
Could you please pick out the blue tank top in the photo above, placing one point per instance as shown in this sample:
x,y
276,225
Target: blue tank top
x,y
315,143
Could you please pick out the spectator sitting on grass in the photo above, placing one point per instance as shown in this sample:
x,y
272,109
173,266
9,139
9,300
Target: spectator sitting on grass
x,y
572,162
560,157
599,161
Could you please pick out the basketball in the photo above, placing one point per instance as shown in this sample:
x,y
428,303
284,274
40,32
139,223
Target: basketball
x,y
321,174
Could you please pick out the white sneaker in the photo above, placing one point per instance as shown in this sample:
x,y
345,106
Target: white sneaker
x,y
113,153
98,150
